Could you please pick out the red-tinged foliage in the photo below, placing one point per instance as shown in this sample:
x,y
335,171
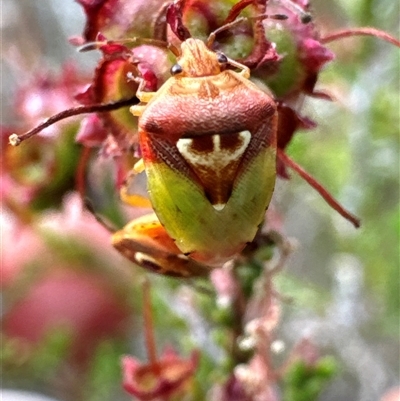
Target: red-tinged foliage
x,y
174,20
115,80
91,131
170,375
111,84
119,19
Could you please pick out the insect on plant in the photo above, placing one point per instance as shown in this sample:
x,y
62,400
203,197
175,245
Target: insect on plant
x,y
209,142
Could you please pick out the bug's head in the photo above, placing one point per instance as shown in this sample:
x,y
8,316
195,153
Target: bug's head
x,y
197,60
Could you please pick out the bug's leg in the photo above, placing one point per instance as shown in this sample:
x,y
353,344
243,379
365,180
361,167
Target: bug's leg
x,y
139,166
245,71
137,109
143,96
128,192
134,199
145,242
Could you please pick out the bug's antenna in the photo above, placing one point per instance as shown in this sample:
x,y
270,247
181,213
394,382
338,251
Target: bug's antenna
x,y
229,25
305,17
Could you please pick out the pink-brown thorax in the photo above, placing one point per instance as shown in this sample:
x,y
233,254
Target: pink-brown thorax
x,y
197,60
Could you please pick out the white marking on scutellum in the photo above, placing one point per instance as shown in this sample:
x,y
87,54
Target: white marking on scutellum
x,y
217,159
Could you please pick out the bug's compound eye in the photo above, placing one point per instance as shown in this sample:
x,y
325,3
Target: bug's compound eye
x,y
176,69
222,59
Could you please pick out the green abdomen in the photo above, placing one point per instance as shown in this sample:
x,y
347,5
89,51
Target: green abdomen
x,y
209,235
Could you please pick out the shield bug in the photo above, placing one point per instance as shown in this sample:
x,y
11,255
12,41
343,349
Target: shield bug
x,y
208,141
